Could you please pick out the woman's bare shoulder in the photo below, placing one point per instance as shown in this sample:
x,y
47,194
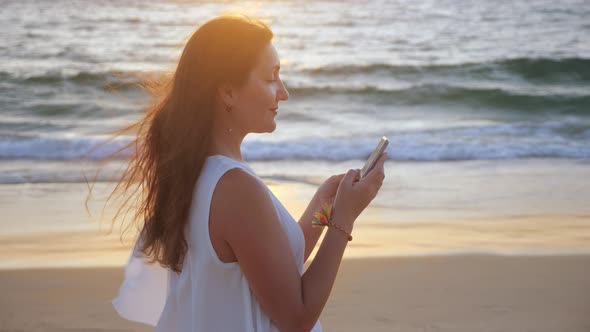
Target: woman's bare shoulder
x,y
225,204
237,195
238,182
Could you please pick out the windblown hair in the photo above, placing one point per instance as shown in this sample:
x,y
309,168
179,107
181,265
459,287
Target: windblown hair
x,y
172,138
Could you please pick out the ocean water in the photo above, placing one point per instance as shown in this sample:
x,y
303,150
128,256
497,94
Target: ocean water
x,y
445,81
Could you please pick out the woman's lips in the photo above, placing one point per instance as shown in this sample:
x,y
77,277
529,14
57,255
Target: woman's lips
x,y
274,110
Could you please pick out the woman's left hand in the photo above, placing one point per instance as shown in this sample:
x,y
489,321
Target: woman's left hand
x,y
327,190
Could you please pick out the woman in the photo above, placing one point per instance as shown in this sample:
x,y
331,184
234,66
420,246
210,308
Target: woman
x,y
218,251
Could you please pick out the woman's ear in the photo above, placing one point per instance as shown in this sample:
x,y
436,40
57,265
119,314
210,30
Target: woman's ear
x,y
226,95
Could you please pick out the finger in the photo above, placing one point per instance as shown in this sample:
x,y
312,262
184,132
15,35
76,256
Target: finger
x,y
335,179
382,158
350,176
378,167
380,164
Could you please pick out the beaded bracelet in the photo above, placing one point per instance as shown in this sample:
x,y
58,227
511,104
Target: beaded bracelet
x,y
324,218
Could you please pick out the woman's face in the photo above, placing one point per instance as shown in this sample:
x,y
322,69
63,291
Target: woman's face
x,y
257,101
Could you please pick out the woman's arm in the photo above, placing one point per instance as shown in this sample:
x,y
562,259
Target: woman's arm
x,y
293,301
311,234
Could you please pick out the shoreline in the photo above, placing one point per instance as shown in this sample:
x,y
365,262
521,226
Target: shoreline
x,y
518,237
500,207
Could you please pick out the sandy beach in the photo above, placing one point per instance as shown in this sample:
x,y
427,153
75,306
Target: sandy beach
x,y
446,293
435,252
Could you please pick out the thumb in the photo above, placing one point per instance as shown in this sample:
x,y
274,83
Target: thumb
x,y
351,176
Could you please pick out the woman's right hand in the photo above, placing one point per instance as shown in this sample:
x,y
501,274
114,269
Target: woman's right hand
x,y
354,195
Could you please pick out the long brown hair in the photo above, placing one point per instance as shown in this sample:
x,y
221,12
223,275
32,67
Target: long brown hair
x,y
173,137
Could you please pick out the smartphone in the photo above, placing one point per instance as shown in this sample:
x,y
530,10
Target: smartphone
x,y
374,156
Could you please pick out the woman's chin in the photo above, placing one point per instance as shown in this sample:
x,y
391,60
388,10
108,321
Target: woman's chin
x,y
269,128
272,128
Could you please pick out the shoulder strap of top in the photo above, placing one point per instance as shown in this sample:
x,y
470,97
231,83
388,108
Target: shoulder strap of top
x,y
228,163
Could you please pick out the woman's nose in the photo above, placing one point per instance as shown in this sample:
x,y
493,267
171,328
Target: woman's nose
x,y
283,93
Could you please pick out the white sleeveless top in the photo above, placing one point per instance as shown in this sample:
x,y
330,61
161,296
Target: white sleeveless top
x,y
209,294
